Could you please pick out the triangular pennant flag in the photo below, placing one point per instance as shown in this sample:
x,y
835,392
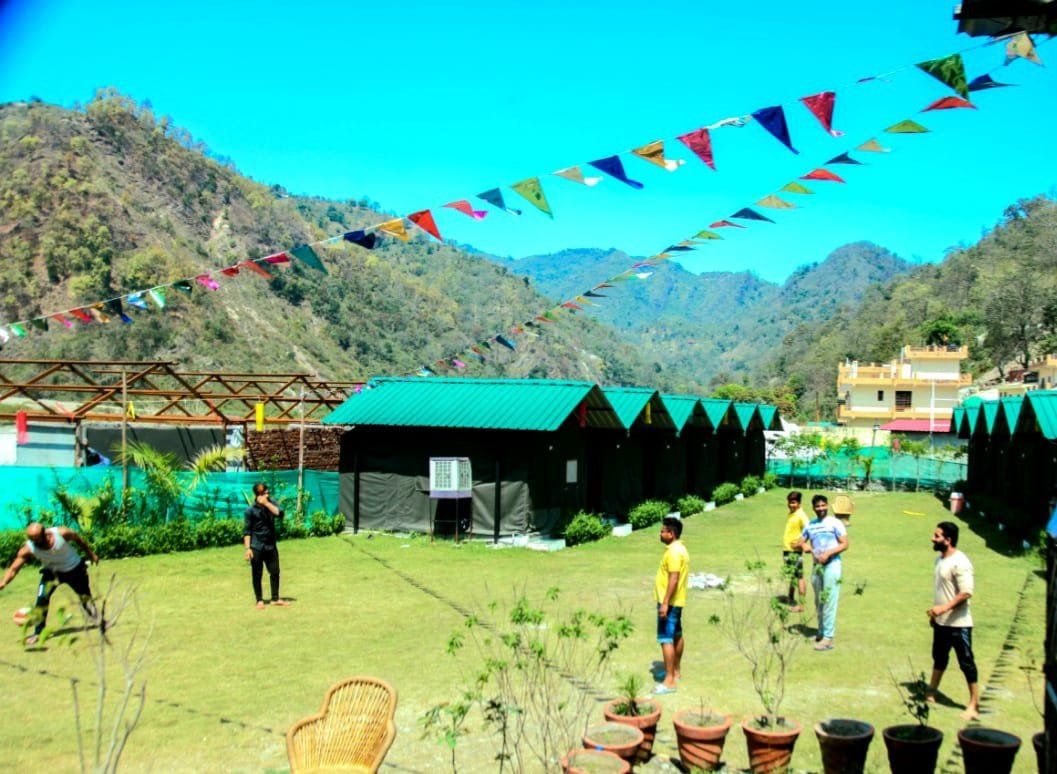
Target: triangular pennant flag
x,y
258,416
1021,46
505,342
425,371
700,143
5,336
906,127
949,103
182,285
114,305
39,323
577,176
424,220
360,238
677,248
592,294
706,234
256,267
822,174
98,313
821,107
458,363
158,297
395,228
21,428
308,256
477,356
775,203
795,187
653,152
230,271
773,120
495,197
18,330
612,166
532,190
642,275
725,224
873,147
207,282
573,306
843,158
983,82
278,258
466,208
747,214
60,318
584,301
81,315
136,300
130,412
950,70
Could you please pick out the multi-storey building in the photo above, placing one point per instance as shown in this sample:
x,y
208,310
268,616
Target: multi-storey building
x,y
915,393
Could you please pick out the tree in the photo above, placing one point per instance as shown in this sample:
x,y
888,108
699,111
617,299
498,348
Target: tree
x,y
940,332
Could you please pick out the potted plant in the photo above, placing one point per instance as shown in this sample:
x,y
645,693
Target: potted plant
x,y
632,710
759,626
618,738
584,761
987,750
913,747
844,744
700,734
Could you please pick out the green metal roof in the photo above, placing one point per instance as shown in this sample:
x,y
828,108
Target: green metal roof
x,y
716,409
1011,407
680,408
957,419
1044,405
972,415
745,413
769,416
630,405
490,404
990,409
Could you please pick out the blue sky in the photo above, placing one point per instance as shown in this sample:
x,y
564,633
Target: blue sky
x,y
415,104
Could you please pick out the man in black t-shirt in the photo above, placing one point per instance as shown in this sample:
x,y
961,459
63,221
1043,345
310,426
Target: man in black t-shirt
x,y
260,538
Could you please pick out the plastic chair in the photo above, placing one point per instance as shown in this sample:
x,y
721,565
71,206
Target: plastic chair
x,y
352,732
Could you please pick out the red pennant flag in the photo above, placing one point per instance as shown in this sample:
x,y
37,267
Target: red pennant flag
x,y
947,103
726,224
701,144
821,174
466,208
254,266
230,271
278,258
424,220
60,318
821,107
21,428
81,315
572,305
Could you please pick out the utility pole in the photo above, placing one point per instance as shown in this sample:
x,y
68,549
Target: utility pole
x,y
301,452
124,441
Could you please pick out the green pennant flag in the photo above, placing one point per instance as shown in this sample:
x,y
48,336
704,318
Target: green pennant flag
x,y
307,255
796,188
39,323
950,70
906,127
184,285
532,190
706,234
18,330
776,203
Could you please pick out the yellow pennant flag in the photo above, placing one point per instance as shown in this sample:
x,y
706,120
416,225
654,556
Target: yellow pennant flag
x,y
532,190
654,153
906,127
649,414
796,188
258,411
775,203
574,174
130,412
874,147
1021,46
395,228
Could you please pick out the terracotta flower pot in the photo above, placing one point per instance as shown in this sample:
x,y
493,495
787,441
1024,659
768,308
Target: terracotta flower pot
x,y
912,749
646,722
987,750
771,748
700,743
1038,741
594,762
844,744
619,738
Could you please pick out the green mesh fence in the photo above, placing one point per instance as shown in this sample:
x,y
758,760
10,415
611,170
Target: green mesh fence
x,y
890,470
26,492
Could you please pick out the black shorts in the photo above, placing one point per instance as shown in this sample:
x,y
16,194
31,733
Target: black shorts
x,y
961,639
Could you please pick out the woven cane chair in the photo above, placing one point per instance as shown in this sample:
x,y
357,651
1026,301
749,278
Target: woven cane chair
x,y
352,731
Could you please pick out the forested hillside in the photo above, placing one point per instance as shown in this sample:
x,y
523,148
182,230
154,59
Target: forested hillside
x,y
101,202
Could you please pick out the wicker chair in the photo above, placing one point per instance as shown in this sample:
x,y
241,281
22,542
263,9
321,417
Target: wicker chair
x,y
353,730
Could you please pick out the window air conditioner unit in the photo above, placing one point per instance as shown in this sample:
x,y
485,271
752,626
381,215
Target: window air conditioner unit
x,y
450,478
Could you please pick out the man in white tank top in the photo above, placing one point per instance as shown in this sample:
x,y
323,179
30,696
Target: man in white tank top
x,y
60,563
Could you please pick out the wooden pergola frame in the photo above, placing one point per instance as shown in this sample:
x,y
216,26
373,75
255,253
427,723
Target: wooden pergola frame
x,y
76,391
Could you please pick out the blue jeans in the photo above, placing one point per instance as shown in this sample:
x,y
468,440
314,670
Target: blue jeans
x,y
825,580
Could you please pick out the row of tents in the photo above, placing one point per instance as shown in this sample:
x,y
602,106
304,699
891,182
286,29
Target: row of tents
x,y
1013,454
534,451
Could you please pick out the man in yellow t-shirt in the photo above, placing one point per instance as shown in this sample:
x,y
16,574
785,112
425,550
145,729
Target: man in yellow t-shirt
x,y
669,591
793,558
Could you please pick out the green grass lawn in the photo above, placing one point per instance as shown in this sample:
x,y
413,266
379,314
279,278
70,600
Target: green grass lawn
x,y
225,680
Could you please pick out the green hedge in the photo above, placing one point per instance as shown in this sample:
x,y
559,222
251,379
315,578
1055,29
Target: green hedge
x,y
648,513
749,485
586,528
724,493
688,505
121,540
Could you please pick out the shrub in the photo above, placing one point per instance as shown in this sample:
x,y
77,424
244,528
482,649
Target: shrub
x,y
118,541
647,513
749,485
688,505
724,493
586,528
173,536
11,540
214,533
769,480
